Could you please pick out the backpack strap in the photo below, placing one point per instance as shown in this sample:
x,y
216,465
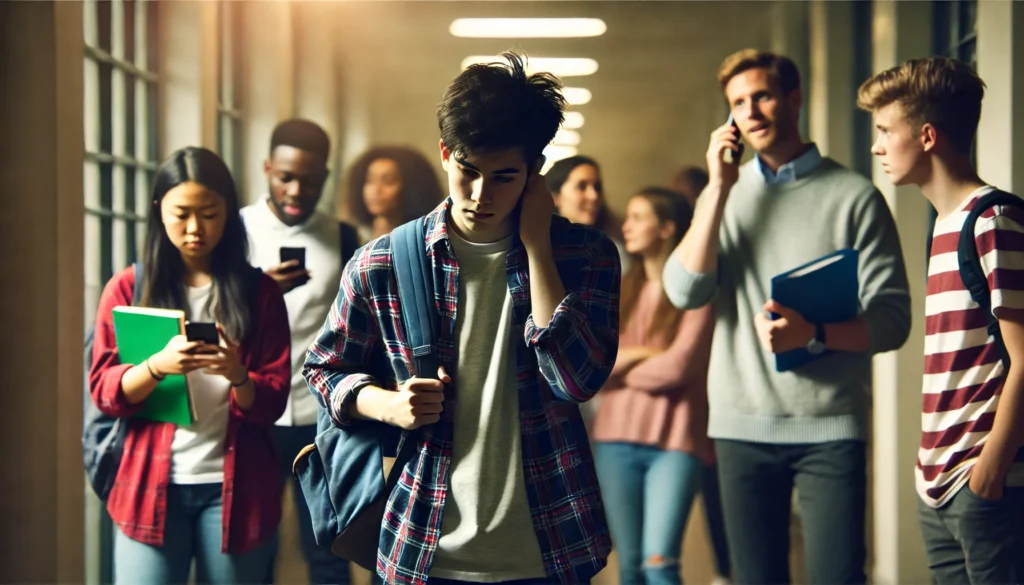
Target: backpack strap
x,y
415,277
971,272
414,274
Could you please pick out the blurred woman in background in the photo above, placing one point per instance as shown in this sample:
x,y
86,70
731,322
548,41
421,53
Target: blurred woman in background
x,y
388,186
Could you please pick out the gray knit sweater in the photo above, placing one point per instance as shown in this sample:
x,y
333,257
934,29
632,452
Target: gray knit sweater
x,y
767,230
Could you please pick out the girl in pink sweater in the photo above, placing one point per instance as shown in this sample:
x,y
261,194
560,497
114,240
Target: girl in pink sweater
x,y
651,426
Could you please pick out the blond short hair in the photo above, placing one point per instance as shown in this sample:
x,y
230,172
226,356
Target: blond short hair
x,y
940,91
781,70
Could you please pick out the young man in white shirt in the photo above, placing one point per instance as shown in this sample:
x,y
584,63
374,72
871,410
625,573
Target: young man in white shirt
x,y
970,466
286,216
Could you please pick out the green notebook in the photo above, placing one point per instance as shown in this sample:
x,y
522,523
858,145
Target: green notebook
x,y
141,332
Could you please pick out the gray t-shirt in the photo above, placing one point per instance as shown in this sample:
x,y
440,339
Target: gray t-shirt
x,y
768,229
487,532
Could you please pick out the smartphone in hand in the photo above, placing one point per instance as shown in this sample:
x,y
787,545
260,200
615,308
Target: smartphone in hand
x,y
733,156
202,331
299,254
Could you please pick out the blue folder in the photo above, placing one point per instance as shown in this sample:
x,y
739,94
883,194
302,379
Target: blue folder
x,y
824,291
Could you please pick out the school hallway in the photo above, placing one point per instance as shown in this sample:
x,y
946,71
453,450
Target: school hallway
x,y
94,94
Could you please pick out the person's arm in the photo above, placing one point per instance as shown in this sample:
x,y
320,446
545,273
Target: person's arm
x,y
690,274
106,372
998,245
264,382
349,346
884,323
684,361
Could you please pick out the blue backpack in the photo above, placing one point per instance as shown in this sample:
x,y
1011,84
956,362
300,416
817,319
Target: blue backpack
x,y
971,272
103,436
342,473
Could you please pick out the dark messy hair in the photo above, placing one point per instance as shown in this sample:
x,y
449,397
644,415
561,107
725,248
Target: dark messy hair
x,y
497,106
421,191
165,270
301,134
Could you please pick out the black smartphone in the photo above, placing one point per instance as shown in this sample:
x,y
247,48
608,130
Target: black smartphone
x,y
733,156
295,253
202,331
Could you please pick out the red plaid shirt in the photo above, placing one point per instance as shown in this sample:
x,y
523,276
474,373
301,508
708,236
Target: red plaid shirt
x,y
138,499
363,342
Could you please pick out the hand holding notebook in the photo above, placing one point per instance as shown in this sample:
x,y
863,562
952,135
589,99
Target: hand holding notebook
x,y
820,292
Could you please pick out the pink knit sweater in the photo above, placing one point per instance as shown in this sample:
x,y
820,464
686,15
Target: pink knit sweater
x,y
661,401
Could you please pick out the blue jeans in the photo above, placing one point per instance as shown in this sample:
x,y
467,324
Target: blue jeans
x,y
193,531
324,567
648,494
439,581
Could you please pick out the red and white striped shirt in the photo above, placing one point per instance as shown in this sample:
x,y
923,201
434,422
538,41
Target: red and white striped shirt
x,y
964,373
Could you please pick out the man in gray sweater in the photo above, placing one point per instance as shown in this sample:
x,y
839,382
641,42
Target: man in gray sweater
x,y
804,428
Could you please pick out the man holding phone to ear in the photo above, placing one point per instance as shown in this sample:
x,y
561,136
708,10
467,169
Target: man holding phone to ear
x,y
804,428
304,251
502,486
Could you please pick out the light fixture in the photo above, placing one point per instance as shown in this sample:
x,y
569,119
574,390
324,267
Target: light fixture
x,y
566,138
555,152
576,96
573,121
525,28
557,66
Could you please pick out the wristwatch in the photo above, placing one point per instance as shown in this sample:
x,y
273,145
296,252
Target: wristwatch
x,y
816,346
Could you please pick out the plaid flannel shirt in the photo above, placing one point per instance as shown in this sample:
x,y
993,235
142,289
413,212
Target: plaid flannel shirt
x,y
363,342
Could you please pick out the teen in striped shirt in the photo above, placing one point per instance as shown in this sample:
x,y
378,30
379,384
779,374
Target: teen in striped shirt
x,y
969,478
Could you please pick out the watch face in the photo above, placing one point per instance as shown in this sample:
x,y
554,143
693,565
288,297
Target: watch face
x,y
816,347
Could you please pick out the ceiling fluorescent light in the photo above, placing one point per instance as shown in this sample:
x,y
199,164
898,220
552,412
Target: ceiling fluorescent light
x,y
526,28
576,96
567,138
557,66
555,152
573,121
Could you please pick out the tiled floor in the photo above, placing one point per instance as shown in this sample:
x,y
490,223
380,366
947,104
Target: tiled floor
x,y
698,563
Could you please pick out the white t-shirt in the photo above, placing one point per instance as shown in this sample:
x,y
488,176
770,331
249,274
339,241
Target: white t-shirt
x,y
308,304
487,532
197,452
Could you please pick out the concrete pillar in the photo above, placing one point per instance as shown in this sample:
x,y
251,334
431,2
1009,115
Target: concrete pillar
x,y
790,24
41,153
831,95
267,82
901,30
188,75
1001,65
316,96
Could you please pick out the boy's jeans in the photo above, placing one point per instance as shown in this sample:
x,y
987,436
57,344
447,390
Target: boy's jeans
x,y
193,530
971,541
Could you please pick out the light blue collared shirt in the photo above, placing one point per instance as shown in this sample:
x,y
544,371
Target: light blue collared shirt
x,y
798,168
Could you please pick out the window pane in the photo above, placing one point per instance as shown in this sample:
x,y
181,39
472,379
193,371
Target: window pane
x,y
968,17
106,74
129,117
91,101
93,268
118,112
151,108
89,24
129,31
148,9
103,10
117,29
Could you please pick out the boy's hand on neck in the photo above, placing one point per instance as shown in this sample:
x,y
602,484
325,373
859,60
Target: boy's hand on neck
x,y
537,207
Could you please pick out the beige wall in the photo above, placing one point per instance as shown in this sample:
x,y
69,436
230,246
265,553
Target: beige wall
x,y
655,97
41,233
